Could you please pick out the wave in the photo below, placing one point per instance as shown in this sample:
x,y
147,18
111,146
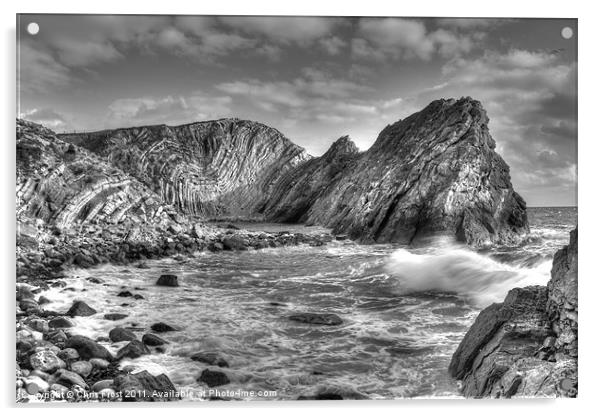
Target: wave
x,y
473,276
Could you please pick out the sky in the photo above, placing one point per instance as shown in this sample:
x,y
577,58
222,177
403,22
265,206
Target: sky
x,y
315,79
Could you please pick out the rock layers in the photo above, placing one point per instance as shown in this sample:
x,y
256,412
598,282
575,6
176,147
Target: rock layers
x,y
209,169
435,172
527,345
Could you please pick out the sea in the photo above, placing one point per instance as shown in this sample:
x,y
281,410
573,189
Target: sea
x,y
404,311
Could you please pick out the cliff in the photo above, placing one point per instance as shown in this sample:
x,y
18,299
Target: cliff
x,y
64,185
207,169
433,173
527,345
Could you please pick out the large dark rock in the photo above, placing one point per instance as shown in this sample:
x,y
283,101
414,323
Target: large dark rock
x,y
162,327
80,308
527,345
133,349
88,348
211,358
145,387
316,318
119,334
170,280
213,378
434,173
153,340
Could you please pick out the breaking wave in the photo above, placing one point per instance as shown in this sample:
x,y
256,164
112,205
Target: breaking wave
x,y
476,277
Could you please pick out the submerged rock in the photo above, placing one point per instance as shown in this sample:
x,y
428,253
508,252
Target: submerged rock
x,y
115,316
162,327
213,378
211,358
170,280
133,349
317,318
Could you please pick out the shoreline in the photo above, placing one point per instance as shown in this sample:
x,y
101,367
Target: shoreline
x,y
49,357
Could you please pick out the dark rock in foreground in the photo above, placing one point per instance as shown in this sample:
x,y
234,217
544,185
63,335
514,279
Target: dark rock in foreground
x,y
88,348
169,280
162,327
213,378
527,345
80,308
133,349
317,318
145,387
153,340
119,334
211,358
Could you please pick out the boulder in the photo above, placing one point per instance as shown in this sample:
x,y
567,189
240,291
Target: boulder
x,y
316,318
162,327
119,334
153,340
83,368
68,354
115,316
68,379
133,349
170,280
234,242
88,348
213,378
211,358
46,361
80,308
60,322
146,387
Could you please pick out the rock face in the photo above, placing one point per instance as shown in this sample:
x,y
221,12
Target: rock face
x,y
65,185
209,169
527,345
435,172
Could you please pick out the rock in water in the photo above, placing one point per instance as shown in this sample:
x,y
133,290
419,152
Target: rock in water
x,y
88,348
211,358
119,334
162,327
317,318
434,173
527,345
134,349
147,387
170,280
80,308
153,340
213,378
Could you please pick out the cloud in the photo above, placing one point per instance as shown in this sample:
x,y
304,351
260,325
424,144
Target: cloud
x,y
169,109
394,38
471,22
45,116
333,45
38,70
284,29
530,97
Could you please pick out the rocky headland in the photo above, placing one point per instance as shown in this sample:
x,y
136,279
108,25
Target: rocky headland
x,y
527,345
129,195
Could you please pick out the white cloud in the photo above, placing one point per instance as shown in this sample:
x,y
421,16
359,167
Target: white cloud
x,y
168,110
395,38
45,116
38,71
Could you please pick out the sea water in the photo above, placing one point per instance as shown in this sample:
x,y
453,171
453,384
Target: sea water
x,y
405,310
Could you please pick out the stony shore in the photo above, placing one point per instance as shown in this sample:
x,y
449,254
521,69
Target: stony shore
x,y
54,363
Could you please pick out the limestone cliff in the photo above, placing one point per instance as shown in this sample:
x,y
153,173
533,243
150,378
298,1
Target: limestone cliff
x,y
527,345
207,169
435,172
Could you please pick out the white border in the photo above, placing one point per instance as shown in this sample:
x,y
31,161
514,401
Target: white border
x,y
590,202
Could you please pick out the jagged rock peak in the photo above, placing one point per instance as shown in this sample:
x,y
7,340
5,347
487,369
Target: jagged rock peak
x,y
435,172
342,146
